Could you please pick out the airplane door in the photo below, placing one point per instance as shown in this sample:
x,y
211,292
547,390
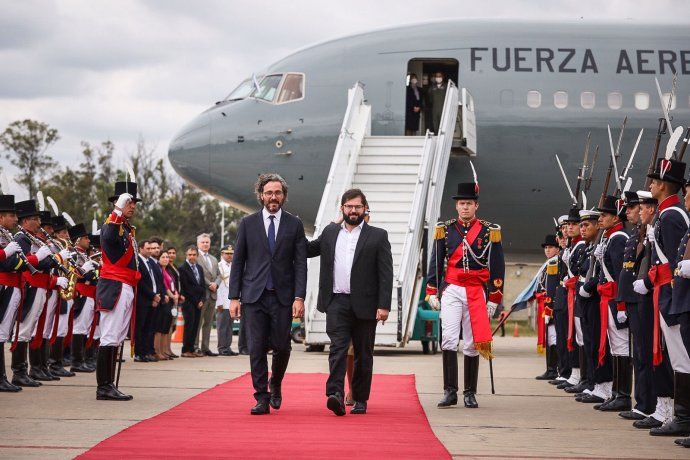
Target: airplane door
x,y
465,135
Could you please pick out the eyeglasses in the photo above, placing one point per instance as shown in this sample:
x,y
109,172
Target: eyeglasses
x,y
354,207
276,194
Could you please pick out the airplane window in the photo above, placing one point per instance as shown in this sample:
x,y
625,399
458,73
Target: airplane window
x,y
533,99
615,100
268,87
641,101
673,101
587,100
292,89
242,91
560,99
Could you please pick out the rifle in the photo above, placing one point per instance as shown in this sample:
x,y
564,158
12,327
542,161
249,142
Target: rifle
x,y
686,139
583,168
588,181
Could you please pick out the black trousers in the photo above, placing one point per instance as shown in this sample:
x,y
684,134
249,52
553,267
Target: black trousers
x,y
560,318
343,326
268,324
242,336
191,315
641,320
142,328
591,324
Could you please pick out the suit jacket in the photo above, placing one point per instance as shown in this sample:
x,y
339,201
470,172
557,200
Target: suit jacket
x,y
145,291
210,273
253,260
371,279
192,290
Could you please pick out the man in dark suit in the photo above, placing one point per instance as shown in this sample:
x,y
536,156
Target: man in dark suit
x,y
155,244
355,288
193,289
269,276
147,299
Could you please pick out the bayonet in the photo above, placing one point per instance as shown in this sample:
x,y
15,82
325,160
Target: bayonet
x,y
565,178
614,160
685,146
661,99
632,155
588,182
583,168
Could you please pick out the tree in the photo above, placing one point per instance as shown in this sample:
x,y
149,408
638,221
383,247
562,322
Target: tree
x,y
27,142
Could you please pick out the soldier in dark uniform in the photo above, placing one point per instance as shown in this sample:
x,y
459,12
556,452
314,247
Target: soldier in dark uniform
x,y
546,290
115,289
84,300
466,263
560,308
665,237
614,343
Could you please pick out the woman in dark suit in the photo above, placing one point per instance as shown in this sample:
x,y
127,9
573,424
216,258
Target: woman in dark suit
x,y
413,107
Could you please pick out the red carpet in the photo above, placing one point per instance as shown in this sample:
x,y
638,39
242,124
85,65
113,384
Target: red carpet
x,y
217,424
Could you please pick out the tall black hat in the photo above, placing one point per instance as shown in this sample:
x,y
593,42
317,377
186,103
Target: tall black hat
x,y
573,215
77,232
59,223
669,171
549,240
46,219
467,191
631,198
125,187
7,203
95,239
613,205
26,208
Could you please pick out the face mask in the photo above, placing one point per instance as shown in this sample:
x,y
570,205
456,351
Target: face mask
x,y
413,81
438,80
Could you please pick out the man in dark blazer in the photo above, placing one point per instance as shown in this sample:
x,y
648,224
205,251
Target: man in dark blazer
x,y
193,288
355,288
148,298
269,277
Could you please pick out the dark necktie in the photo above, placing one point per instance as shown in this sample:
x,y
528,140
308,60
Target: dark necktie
x,y
271,247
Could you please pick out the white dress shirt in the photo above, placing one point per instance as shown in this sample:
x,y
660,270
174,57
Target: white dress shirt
x,y
207,259
344,255
224,286
267,220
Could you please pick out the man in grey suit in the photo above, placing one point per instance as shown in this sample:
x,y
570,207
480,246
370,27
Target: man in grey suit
x,y
211,280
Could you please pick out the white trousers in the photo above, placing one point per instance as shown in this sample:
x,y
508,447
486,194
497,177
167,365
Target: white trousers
x,y
50,315
579,339
550,335
10,315
82,323
618,338
114,323
63,325
28,326
680,361
455,315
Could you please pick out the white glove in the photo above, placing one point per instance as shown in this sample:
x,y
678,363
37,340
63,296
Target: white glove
x,y
43,252
621,316
173,312
12,248
599,251
88,266
491,308
547,318
584,293
64,254
650,234
434,303
639,287
683,268
565,255
62,282
122,200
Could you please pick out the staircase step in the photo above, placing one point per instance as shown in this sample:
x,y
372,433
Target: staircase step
x,y
392,150
390,178
389,159
399,141
387,169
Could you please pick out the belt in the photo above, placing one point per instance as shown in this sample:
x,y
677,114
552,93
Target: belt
x,y
628,265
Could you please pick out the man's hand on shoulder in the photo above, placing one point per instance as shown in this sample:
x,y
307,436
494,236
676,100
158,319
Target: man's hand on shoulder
x,y
298,308
382,315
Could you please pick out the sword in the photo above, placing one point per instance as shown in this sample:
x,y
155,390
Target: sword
x,y
119,364
632,155
491,375
613,159
567,184
661,99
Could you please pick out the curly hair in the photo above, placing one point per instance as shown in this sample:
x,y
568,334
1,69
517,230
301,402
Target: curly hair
x,y
265,179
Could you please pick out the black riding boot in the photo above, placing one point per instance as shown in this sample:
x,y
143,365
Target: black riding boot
x,y
551,364
78,364
20,367
5,385
57,363
680,424
45,360
105,375
35,360
91,354
471,376
622,385
450,379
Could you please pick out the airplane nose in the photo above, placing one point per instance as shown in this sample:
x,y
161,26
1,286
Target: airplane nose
x,y
189,152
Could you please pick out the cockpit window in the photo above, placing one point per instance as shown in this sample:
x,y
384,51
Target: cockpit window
x,y
242,91
268,88
292,89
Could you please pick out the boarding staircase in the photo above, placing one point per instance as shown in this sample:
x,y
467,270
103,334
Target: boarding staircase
x,y
403,178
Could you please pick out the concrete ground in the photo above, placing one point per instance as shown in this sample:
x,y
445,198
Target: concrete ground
x,y
526,418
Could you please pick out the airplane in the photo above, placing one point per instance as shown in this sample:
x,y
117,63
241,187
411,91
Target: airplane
x,y
538,89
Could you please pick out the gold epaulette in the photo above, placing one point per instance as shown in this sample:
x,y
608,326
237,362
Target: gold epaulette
x,y
494,231
440,231
552,268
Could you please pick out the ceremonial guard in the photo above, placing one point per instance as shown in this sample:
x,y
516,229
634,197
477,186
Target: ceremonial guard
x,y
560,308
12,263
664,237
115,292
466,263
613,333
31,319
544,295
84,301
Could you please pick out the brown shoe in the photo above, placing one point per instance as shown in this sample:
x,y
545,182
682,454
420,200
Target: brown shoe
x,y
188,355
162,357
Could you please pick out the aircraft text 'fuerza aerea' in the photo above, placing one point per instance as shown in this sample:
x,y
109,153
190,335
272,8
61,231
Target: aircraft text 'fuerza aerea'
x,y
572,60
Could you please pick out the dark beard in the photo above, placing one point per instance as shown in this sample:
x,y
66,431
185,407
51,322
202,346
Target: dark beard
x,y
356,221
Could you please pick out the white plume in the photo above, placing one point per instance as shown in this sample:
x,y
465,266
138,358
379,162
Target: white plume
x,y
628,184
584,201
94,227
555,222
671,146
474,172
69,219
4,185
41,201
130,172
53,205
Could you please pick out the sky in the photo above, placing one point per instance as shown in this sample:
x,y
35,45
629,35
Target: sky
x,y
117,70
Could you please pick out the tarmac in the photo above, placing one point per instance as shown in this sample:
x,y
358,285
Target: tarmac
x,y
526,418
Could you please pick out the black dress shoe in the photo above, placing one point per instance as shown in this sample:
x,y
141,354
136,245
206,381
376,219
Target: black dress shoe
x,y
23,380
619,404
647,423
359,408
450,398
605,404
564,384
6,386
210,353
548,375
60,371
244,352
631,415
590,399
231,352
556,382
685,442
676,427
82,367
470,400
276,398
579,388
38,375
336,405
261,408
108,392
141,359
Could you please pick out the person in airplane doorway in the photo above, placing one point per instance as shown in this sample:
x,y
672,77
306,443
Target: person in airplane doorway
x,y
413,106
436,96
355,291
466,262
268,282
